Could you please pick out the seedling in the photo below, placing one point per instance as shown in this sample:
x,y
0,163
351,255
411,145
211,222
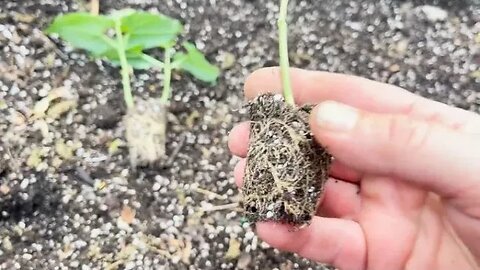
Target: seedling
x,y
122,39
286,168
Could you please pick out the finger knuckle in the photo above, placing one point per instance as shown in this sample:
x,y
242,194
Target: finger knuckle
x,y
408,133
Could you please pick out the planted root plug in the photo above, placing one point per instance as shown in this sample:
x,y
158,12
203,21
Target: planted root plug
x,y
145,125
286,169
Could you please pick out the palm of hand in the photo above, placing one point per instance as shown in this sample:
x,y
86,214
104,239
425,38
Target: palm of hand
x,y
405,228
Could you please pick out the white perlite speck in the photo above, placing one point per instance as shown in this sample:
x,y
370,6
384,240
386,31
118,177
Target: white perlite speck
x,y
433,13
24,184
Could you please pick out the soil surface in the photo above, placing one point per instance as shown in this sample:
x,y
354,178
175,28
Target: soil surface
x,y
68,196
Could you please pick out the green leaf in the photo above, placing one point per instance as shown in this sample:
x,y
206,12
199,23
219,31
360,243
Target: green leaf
x,y
150,30
119,14
134,58
196,63
84,31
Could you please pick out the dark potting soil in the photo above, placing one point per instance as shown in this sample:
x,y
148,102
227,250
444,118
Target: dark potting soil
x,y
286,168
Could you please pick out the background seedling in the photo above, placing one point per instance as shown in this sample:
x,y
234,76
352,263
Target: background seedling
x,y
286,169
122,39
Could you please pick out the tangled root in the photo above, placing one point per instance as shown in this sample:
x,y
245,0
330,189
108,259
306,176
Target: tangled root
x,y
286,169
145,131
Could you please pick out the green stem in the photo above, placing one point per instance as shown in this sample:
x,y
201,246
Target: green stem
x,y
155,62
283,48
167,76
125,67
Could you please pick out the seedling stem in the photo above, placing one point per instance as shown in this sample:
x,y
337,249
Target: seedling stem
x,y
167,75
283,48
125,67
156,63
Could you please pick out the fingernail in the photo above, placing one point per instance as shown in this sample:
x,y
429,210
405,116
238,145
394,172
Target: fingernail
x,y
336,116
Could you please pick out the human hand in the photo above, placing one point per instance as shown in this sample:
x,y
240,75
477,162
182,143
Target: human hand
x,y
404,191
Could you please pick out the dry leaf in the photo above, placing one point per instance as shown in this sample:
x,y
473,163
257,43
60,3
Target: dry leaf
x,y
124,255
182,199
41,107
228,60
186,252
126,252
35,158
7,244
17,118
299,57
56,162
233,249
42,126
205,153
66,252
100,185
23,17
394,68
475,74
63,92
194,219
127,215
60,108
94,251
189,122
50,60
3,104
63,150
114,145
173,244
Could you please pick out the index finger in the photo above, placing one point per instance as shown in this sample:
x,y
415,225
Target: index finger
x,y
315,86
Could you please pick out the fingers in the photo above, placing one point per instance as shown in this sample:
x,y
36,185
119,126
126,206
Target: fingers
x,y
333,241
340,200
238,139
340,171
443,160
239,172
314,87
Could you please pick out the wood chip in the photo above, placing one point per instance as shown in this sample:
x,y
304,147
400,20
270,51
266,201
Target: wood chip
x,y
127,215
4,189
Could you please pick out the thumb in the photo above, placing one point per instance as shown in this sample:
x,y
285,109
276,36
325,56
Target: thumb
x,y
433,156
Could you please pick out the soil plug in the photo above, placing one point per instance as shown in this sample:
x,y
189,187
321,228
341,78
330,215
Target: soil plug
x,y
145,125
121,39
286,168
